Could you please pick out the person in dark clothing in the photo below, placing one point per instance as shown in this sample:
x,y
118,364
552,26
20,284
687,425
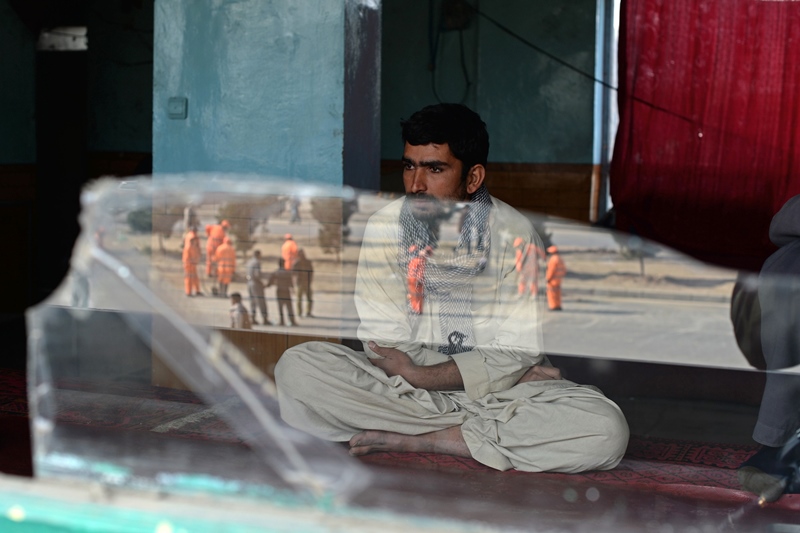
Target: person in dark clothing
x,y
283,282
294,209
255,287
303,274
773,470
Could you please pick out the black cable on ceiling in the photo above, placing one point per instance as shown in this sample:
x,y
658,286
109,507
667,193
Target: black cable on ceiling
x,y
434,33
573,68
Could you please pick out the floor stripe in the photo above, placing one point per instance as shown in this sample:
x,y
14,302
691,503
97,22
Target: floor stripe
x,y
196,417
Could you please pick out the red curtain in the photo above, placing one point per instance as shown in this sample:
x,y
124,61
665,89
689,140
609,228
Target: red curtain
x,y
708,147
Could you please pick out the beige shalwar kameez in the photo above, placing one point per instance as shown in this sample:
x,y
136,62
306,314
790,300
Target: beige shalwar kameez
x,y
334,392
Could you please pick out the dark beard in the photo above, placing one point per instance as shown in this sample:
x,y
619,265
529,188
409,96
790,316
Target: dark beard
x,y
428,209
430,212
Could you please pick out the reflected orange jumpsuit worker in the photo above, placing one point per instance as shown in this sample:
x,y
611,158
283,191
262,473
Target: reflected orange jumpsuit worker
x,y
225,257
556,270
191,258
527,265
416,278
216,234
289,252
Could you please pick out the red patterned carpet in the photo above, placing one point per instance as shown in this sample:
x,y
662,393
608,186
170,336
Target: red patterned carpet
x,y
692,469
647,462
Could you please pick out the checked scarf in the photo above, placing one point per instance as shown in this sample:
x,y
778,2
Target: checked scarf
x,y
449,279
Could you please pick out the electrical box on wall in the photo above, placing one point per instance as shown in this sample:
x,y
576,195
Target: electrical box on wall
x,y
178,108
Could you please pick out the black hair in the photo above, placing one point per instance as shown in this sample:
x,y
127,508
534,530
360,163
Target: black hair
x,y
236,296
455,124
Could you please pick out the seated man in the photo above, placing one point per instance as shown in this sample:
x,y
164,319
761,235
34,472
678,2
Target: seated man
x,y
773,470
465,375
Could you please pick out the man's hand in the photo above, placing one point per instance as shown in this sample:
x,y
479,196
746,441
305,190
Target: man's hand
x,y
540,373
393,362
442,376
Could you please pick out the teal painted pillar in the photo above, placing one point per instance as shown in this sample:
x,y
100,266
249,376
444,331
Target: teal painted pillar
x,y
285,88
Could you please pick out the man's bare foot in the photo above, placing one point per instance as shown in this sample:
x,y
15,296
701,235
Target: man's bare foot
x,y
446,441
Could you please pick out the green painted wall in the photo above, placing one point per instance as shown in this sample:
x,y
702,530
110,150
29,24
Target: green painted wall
x,y
537,110
264,81
17,89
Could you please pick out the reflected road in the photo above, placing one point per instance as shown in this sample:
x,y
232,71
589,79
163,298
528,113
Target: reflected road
x,y
692,333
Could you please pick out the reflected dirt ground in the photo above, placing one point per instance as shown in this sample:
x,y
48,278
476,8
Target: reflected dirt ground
x,y
666,307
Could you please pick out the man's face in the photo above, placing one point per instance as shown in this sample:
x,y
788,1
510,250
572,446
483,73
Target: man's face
x,y
432,177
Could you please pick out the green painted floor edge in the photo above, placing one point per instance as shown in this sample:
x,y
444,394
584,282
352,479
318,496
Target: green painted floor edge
x,y
42,507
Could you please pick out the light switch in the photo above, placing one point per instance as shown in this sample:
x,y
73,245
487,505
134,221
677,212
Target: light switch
x,y
178,108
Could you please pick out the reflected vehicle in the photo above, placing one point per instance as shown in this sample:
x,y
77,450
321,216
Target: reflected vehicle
x,y
140,390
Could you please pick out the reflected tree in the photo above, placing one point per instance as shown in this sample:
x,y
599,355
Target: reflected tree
x,y
330,213
159,221
634,247
245,217
541,230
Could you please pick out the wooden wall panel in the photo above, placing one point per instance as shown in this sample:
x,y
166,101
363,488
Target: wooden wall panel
x,y
118,164
616,378
391,176
262,348
163,376
556,190
17,183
